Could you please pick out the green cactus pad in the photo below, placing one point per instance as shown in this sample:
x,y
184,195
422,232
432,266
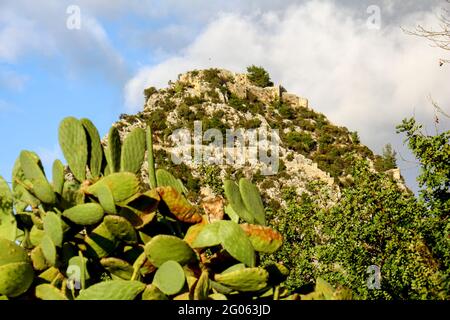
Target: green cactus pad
x,y
150,159
152,292
73,143
95,150
120,228
163,248
141,208
176,204
231,213
70,194
48,249
8,224
170,278
113,150
236,243
252,200
48,292
133,151
38,259
234,198
33,172
192,233
165,179
123,186
53,228
217,296
208,235
58,176
36,235
16,271
106,199
100,242
112,290
245,280
85,214
202,287
238,266
263,239
118,268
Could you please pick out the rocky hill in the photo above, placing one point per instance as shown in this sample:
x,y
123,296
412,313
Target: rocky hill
x,y
312,150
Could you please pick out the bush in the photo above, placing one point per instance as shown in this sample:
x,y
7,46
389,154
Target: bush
x,y
300,142
259,77
374,223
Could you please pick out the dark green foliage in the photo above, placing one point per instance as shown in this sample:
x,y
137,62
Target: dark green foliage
x,y
387,161
258,76
433,153
374,223
300,142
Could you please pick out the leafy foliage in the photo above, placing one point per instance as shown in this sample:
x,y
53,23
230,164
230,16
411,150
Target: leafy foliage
x,y
259,76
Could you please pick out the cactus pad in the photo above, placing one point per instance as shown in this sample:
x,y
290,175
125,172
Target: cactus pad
x,y
252,200
114,149
234,198
95,150
85,214
112,290
245,280
170,278
152,292
16,271
133,151
73,143
263,239
175,203
58,176
48,292
34,174
8,224
120,228
163,248
236,243
123,185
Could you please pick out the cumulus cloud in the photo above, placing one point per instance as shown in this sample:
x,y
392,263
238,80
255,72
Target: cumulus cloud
x,y
367,80
40,30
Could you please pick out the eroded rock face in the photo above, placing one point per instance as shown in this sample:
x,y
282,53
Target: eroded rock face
x,y
225,100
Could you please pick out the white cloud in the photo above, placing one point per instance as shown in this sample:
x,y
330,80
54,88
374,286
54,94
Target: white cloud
x,y
40,30
364,79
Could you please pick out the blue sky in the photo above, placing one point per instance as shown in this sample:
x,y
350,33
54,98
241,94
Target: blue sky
x,y
367,80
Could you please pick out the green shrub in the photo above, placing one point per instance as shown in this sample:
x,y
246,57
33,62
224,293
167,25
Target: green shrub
x,y
258,76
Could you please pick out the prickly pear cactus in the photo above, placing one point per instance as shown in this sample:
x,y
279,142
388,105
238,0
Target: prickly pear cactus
x,y
99,233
